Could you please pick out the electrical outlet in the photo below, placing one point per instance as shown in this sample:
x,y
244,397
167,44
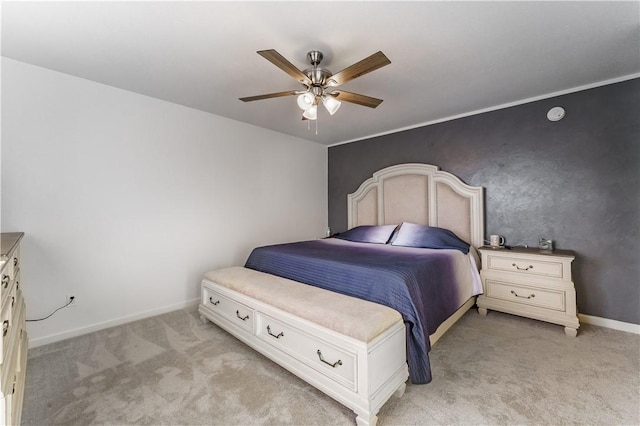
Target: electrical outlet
x,y
72,301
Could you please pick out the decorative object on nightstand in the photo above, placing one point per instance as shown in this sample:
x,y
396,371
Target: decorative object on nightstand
x,y
13,344
545,244
531,283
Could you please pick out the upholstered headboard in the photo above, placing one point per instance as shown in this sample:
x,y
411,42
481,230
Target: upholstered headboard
x,y
419,193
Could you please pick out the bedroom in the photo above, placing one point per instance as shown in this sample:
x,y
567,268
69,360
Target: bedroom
x,y
126,200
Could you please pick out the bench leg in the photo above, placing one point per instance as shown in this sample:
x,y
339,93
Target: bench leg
x,y
400,391
371,420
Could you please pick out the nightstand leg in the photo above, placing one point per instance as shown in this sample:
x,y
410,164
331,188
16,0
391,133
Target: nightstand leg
x,y
482,311
572,332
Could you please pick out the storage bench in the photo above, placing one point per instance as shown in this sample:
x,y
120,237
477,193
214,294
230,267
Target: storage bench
x,y
350,349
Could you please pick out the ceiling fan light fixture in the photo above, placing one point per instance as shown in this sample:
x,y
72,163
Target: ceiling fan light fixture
x,y
311,113
331,104
306,100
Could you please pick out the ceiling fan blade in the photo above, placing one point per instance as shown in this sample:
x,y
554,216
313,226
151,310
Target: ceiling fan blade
x,y
371,63
270,95
281,62
355,98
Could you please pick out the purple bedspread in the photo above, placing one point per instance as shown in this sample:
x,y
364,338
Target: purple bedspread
x,y
418,283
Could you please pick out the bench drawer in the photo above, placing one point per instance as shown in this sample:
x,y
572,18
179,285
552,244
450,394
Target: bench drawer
x,y
237,313
325,357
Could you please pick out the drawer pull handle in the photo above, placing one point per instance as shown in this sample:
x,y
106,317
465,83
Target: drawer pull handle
x,y
522,269
15,261
523,297
13,301
5,280
242,318
277,336
212,302
5,328
338,362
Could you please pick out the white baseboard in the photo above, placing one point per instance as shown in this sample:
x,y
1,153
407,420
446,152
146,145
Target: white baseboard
x,y
609,323
118,321
585,319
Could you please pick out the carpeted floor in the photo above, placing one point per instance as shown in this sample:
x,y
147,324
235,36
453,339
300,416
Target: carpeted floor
x,y
174,370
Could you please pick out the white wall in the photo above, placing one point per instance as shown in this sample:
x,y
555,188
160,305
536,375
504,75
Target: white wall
x,y
127,200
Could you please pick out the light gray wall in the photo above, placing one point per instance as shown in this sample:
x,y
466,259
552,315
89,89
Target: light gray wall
x,y
576,181
127,200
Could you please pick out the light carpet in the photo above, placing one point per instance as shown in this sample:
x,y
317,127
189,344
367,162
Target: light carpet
x,y
174,370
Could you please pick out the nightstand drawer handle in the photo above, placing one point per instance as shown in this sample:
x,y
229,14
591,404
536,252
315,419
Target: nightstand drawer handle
x,y
212,302
242,318
522,269
523,297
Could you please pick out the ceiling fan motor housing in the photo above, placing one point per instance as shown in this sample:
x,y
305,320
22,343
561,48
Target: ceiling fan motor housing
x,y
318,76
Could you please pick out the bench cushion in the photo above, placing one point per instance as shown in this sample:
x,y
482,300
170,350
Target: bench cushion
x,y
357,318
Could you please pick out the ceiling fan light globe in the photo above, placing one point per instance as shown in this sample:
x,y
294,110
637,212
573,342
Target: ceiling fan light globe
x,y
311,113
305,101
331,104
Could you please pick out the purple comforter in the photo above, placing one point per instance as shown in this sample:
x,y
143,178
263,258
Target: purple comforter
x,y
418,283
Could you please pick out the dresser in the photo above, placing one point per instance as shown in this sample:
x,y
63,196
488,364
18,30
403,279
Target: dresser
x,y
13,345
531,283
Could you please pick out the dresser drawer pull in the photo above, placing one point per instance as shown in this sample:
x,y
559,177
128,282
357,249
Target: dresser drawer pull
x,y
338,362
523,297
5,328
5,280
212,302
13,301
522,269
15,261
242,318
277,336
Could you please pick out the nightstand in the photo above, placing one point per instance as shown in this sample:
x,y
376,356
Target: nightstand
x,y
531,283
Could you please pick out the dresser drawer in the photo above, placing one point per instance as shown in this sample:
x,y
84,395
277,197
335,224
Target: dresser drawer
x,y
325,357
526,266
7,281
544,298
237,313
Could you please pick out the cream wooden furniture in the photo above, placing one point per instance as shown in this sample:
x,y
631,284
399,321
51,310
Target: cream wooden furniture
x,y
351,349
13,345
530,282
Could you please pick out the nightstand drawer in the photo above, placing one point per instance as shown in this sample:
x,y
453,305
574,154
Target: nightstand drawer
x,y
543,298
528,266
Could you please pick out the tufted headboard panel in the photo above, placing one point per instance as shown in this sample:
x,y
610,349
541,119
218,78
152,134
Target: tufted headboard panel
x,y
419,193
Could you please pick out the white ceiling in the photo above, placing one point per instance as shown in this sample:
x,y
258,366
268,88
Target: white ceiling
x,y
447,58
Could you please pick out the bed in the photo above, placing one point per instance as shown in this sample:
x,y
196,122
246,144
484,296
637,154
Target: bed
x,y
431,286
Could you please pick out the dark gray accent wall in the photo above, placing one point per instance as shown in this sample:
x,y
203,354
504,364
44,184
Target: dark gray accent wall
x,y
576,181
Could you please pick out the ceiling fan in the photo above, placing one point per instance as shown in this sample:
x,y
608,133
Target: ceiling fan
x,y
320,85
